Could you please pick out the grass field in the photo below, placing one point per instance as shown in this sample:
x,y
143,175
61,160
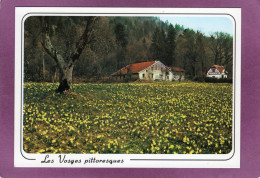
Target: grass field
x,y
159,117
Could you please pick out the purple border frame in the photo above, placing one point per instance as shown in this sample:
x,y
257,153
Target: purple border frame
x,y
250,93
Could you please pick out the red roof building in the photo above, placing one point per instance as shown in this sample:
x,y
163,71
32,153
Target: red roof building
x,y
134,68
154,70
179,73
177,69
217,71
220,68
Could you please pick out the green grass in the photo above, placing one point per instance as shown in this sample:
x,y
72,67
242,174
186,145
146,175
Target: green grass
x,y
160,117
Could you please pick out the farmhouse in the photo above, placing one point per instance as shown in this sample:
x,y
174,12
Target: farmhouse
x,y
217,71
179,74
152,70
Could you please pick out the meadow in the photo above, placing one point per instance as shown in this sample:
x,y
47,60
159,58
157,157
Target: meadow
x,y
142,118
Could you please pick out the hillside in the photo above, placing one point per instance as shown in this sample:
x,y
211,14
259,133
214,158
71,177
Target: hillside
x,y
118,41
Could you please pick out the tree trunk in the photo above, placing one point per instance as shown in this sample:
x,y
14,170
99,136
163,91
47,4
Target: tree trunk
x,y
65,79
43,66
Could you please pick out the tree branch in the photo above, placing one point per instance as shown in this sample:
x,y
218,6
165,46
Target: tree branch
x,y
47,44
84,39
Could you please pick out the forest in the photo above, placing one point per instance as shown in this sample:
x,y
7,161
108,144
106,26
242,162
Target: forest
x,y
111,43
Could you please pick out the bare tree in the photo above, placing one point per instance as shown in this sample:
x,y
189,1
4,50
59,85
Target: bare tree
x,y
66,63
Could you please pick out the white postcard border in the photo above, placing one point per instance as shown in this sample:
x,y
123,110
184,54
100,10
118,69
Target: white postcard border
x,y
23,159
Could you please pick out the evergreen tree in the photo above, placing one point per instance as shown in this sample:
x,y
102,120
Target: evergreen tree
x,y
189,52
121,39
158,45
171,45
200,64
121,36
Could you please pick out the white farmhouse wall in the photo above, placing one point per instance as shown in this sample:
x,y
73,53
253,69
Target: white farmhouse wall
x,y
216,74
157,71
179,76
170,76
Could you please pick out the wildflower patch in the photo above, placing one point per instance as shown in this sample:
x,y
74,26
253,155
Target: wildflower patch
x,y
136,118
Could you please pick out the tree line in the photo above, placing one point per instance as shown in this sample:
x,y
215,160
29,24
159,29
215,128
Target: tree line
x,y
92,48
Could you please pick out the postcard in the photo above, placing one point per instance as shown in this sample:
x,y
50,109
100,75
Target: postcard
x,y
127,87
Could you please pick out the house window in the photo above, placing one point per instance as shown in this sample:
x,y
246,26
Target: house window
x,y
151,75
213,70
143,75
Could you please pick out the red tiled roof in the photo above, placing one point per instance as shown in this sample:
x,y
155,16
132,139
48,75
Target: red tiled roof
x,y
134,68
220,68
177,69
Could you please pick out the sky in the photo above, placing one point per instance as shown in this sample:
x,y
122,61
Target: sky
x,y
205,24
